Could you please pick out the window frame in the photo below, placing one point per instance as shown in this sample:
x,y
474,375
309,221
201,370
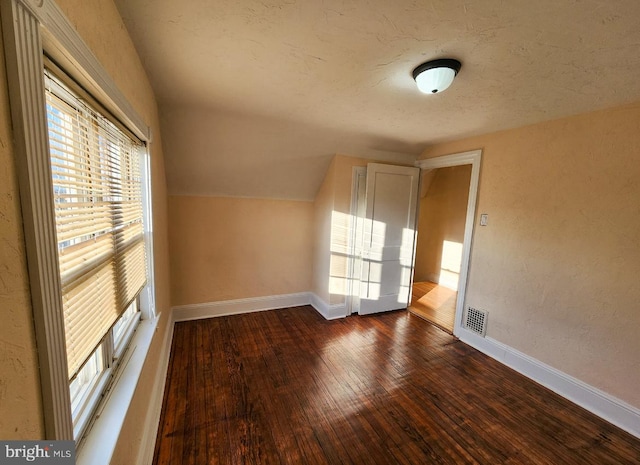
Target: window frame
x,y
30,29
110,354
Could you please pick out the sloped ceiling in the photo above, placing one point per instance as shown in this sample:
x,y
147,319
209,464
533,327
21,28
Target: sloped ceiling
x,y
256,96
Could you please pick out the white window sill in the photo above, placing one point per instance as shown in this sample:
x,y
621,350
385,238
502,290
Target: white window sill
x,y
98,446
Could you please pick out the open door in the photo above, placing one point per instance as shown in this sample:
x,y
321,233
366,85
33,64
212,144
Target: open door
x,y
389,237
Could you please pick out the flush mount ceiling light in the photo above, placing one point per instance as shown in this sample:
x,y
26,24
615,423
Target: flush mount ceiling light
x,y
435,76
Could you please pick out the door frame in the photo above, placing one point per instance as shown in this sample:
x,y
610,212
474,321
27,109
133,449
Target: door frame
x,y
472,158
354,261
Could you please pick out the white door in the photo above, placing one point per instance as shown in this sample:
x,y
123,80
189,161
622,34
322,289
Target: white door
x,y
389,237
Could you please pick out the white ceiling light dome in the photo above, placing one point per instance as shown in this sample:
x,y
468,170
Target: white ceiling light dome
x,y
436,75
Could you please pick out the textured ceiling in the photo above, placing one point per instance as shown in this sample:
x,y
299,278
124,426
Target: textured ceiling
x,y
256,96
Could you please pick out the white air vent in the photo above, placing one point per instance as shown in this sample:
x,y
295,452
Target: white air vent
x,y
476,321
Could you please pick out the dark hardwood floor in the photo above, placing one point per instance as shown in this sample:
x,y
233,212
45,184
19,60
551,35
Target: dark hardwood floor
x,y
288,387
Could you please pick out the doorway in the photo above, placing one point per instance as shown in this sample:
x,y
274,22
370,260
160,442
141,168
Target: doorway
x,y
358,207
442,211
447,284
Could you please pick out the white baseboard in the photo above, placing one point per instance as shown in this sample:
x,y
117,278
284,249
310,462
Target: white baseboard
x,y
328,311
152,420
611,409
237,306
258,304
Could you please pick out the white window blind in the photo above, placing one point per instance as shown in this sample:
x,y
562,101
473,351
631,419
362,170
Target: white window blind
x,y
97,186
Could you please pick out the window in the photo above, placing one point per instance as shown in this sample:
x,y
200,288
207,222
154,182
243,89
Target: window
x,y
75,370
97,191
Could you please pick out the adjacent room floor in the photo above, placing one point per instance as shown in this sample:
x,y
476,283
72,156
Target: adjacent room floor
x,y
434,303
288,387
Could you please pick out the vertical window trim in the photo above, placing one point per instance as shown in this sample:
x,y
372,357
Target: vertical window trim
x,y
30,28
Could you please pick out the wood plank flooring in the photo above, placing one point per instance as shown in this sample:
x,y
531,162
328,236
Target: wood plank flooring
x,y
288,387
434,303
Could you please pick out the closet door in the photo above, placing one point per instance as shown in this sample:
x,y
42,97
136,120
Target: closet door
x,y
389,237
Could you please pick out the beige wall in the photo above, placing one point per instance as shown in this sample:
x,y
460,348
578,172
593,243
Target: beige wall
x,y
441,217
225,248
557,266
99,24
